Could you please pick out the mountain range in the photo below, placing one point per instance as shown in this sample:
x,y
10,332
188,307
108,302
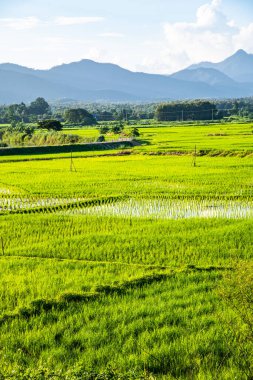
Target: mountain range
x,y
91,81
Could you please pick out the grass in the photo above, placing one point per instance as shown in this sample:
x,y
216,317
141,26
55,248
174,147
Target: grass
x,y
27,280
110,271
131,175
167,138
124,240
212,137
168,328
173,137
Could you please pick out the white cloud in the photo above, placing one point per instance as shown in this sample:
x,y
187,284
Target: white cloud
x,y
96,54
20,23
244,38
67,21
209,15
33,22
111,34
210,37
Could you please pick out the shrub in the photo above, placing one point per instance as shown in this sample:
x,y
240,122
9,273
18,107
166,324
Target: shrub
x,y
117,128
104,129
135,132
50,124
101,138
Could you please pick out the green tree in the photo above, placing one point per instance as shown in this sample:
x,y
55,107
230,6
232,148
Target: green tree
x,y
20,127
50,124
79,116
101,138
104,116
188,110
135,132
104,129
117,128
39,107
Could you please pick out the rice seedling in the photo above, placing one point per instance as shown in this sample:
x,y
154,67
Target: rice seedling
x,y
115,267
170,209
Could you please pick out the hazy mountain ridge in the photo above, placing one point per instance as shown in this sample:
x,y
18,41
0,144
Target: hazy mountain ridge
x,y
239,66
205,75
91,81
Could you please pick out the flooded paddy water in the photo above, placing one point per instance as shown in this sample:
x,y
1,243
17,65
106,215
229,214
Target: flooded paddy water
x,y
170,209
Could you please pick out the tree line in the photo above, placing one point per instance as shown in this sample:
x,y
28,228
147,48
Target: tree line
x,y
179,110
39,111
204,110
81,114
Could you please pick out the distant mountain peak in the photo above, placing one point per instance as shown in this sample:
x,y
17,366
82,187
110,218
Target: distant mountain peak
x,y
241,53
88,80
238,66
240,56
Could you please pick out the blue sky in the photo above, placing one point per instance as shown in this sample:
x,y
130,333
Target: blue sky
x,y
160,36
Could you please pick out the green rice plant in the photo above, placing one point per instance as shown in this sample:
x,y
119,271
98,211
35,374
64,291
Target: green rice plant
x,y
169,209
212,241
112,270
167,327
214,178
26,279
237,293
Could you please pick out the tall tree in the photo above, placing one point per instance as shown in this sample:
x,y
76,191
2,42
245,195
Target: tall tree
x,y
39,107
79,116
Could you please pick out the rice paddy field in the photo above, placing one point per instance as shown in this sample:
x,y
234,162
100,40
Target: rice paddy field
x,y
171,137
134,265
